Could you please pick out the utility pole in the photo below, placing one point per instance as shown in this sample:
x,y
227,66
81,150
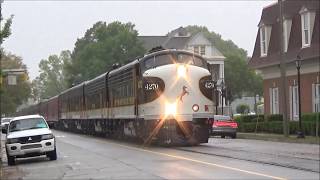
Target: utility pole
x,y
283,84
298,65
1,1
318,108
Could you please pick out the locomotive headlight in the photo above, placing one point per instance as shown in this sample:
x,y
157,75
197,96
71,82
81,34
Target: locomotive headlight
x,y
195,107
170,108
181,71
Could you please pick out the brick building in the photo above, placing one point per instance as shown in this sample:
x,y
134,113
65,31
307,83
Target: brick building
x,y
301,40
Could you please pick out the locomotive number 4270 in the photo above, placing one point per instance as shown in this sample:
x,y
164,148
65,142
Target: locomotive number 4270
x,y
151,86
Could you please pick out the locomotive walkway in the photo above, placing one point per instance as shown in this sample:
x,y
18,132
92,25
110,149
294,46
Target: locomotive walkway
x,y
88,157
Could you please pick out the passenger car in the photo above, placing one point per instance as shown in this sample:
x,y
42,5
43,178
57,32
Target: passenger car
x,y
224,126
29,136
4,122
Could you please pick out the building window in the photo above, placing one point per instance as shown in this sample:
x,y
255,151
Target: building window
x,y
265,32
286,33
199,50
196,49
216,71
202,50
294,103
263,41
316,97
274,101
305,28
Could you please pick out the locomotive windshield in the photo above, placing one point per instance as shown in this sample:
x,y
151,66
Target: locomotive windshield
x,y
164,59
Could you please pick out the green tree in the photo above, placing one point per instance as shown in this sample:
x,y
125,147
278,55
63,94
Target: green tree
x,y
243,109
255,81
102,46
51,80
236,75
240,79
5,30
13,95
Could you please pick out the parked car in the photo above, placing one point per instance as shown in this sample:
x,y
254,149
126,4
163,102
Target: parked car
x,y
4,122
29,136
224,126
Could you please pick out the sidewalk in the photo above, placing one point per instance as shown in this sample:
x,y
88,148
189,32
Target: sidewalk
x,y
5,170
279,138
2,151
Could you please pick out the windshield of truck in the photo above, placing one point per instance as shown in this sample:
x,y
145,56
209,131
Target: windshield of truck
x,y
25,124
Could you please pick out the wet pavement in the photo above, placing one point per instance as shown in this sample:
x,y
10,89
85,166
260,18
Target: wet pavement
x,y
292,155
88,157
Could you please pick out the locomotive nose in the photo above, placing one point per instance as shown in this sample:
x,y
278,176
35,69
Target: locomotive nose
x,y
170,109
181,71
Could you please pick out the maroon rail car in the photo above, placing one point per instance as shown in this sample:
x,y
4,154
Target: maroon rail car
x,y
43,109
53,111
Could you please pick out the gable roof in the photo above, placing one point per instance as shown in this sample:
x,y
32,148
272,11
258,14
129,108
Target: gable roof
x,y
179,38
150,42
270,16
176,39
176,42
181,32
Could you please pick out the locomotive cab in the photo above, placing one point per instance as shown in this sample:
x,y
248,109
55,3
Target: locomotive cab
x,y
170,93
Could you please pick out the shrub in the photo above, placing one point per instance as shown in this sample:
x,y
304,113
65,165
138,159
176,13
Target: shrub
x,y
252,118
274,117
309,128
243,108
259,118
237,118
248,127
294,127
276,127
310,117
270,127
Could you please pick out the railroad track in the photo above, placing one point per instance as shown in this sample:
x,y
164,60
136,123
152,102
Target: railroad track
x,y
253,160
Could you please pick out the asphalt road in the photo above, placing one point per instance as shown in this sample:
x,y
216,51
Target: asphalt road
x,y
87,157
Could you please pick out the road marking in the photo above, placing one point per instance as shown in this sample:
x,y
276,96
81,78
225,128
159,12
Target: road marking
x,y
58,136
202,162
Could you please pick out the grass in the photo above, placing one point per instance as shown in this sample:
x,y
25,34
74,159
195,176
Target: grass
x,y
279,138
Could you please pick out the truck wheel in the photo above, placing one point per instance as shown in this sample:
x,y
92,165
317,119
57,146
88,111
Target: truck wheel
x,y
234,136
223,136
11,160
52,155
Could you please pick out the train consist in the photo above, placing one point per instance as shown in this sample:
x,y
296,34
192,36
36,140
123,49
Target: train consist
x,y
164,97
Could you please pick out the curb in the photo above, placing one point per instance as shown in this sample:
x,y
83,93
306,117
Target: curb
x,y
2,156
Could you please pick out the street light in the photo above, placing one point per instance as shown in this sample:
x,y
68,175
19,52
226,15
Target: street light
x,y
222,96
214,91
298,66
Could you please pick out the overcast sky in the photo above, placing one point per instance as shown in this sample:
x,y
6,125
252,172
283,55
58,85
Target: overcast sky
x,y
44,28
